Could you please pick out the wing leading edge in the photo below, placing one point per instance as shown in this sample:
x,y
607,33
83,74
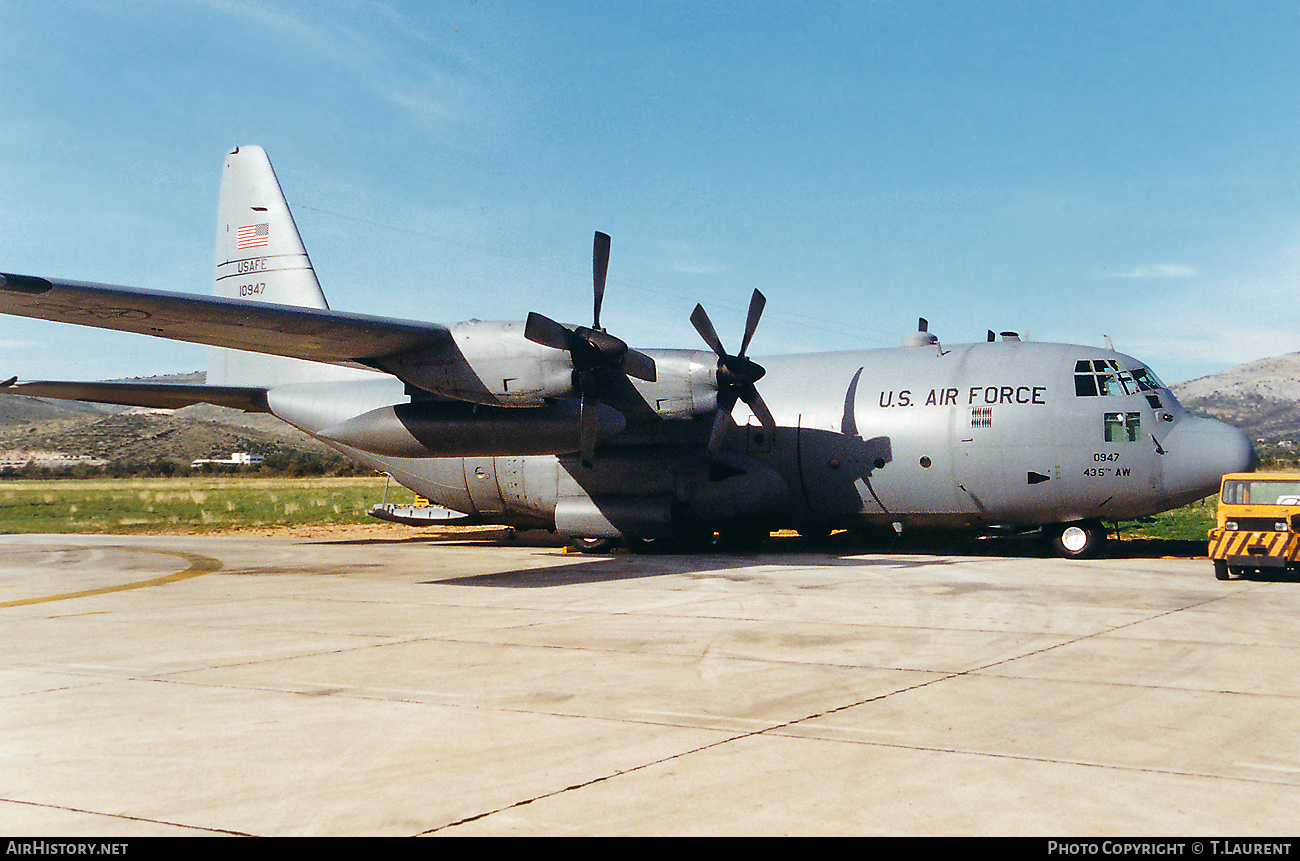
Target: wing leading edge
x,y
318,335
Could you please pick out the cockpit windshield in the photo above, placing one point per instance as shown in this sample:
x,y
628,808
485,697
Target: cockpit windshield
x,y
1101,377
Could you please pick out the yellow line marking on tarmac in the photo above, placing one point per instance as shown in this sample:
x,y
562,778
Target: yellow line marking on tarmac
x,y
199,565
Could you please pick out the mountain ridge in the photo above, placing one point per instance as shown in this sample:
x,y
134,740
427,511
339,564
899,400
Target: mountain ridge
x,y
134,434
1262,398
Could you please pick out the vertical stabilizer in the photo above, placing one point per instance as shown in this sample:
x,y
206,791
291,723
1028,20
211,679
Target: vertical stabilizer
x,y
260,258
260,255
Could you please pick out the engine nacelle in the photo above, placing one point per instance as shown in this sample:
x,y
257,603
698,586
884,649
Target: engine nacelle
x,y
685,385
487,363
494,364
458,429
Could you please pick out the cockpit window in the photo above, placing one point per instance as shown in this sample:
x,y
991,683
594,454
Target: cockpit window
x,y
1147,381
1123,427
1256,492
1103,377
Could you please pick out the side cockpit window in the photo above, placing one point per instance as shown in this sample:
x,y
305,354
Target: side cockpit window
x,y
1104,377
1123,427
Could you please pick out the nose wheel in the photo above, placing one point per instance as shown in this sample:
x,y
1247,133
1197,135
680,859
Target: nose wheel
x,y
1081,540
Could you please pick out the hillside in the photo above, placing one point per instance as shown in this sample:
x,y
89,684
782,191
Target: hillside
x,y
122,433
1262,398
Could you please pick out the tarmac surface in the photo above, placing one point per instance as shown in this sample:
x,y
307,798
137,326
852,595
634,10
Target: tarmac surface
x,y
431,685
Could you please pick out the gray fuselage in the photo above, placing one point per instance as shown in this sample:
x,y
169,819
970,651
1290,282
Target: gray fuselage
x,y
1005,434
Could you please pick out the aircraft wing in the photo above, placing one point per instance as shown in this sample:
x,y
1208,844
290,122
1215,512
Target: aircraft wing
x,y
318,335
171,396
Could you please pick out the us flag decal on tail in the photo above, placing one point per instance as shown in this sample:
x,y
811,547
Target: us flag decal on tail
x,y
252,235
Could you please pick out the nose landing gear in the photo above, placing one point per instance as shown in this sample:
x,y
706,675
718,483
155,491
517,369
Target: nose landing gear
x,y
1080,540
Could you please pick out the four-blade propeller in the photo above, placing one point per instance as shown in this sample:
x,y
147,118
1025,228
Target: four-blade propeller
x,y
736,374
599,359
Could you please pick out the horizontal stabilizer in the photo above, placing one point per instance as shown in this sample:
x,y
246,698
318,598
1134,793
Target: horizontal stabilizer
x,y
159,395
315,334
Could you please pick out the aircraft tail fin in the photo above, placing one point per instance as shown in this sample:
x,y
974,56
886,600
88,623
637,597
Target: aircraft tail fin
x,y
260,258
260,255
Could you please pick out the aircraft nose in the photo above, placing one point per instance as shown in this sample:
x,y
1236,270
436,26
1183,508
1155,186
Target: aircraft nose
x,y
1198,453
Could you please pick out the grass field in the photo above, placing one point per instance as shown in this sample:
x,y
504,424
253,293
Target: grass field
x,y
194,504
225,503
1189,523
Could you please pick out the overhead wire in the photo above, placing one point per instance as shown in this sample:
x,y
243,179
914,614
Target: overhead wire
x,y
802,320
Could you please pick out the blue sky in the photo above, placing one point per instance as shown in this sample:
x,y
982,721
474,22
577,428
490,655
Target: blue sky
x,y
1066,170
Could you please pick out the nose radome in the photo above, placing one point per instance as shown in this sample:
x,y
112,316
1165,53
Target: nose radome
x,y
1198,453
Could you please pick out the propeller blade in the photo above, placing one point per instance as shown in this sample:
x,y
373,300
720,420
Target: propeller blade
x,y
703,325
722,424
755,402
547,332
756,304
587,429
599,268
639,365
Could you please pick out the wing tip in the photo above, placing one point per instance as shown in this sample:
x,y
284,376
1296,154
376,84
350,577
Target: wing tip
x,y
24,284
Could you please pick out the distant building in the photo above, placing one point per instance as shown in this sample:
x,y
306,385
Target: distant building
x,y
15,459
237,458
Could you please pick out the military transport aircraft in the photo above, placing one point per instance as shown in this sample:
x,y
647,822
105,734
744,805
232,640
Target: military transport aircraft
x,y
538,424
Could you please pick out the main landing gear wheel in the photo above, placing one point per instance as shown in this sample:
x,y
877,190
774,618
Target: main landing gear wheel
x,y
1082,540
594,545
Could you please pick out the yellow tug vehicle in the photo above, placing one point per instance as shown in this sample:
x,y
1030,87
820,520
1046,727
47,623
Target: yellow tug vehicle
x,y
1258,524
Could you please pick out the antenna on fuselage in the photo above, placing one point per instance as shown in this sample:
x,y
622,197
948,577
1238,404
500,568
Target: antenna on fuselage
x,y
921,337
